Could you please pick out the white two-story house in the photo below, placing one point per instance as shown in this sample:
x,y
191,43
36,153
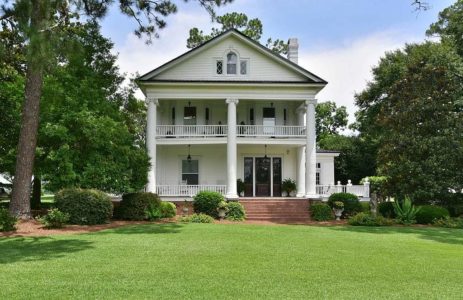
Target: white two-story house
x,y
231,109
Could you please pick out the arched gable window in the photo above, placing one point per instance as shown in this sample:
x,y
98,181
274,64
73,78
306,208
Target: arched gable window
x,y
232,61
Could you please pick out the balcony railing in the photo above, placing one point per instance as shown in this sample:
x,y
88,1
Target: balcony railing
x,y
184,131
188,190
270,131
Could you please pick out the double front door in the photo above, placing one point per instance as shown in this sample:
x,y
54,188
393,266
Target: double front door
x,y
262,176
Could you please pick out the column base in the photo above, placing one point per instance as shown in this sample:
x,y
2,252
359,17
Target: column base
x,y
312,196
300,195
232,196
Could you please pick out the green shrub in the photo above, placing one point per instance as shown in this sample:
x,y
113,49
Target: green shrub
x,y
198,218
86,207
386,209
449,222
7,221
207,202
321,212
153,213
428,213
168,210
405,212
366,219
235,211
365,206
54,219
351,203
138,206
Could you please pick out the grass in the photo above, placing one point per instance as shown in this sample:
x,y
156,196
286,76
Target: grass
x,y
215,261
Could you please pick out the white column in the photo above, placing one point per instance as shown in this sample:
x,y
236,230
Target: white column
x,y
231,150
300,176
310,151
151,142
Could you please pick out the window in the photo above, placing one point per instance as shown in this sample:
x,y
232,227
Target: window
x,y
190,171
243,67
284,117
231,63
317,178
251,116
207,115
173,115
219,67
319,165
189,115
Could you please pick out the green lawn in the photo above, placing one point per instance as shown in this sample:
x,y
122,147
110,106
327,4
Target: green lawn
x,y
216,261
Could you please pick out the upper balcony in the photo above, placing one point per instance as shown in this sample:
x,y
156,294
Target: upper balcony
x,y
175,134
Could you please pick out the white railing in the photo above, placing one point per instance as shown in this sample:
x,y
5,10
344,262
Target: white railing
x,y
362,191
188,190
182,131
170,131
273,131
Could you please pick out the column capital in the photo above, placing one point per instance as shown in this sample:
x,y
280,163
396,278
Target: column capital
x,y
232,100
310,101
152,99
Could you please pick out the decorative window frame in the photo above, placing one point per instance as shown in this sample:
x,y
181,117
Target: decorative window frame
x,y
223,58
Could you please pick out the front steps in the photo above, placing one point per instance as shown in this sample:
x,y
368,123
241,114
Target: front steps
x,y
288,210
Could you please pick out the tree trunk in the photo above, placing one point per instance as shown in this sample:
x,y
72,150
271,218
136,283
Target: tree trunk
x,y
36,193
20,199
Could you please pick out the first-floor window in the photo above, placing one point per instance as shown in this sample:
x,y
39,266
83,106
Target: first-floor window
x,y
190,171
317,178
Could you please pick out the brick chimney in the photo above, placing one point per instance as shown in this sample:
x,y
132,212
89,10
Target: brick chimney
x,y
293,49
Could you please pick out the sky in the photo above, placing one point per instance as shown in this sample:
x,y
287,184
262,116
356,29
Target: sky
x,y
339,40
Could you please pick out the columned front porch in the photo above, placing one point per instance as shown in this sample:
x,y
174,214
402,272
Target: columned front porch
x,y
298,137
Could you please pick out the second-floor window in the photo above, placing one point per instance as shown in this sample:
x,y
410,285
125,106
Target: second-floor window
x,y
189,115
232,61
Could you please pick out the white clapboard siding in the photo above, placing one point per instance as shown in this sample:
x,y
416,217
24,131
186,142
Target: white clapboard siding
x,y
201,66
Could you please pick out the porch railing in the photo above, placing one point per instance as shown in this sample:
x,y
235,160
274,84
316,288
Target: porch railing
x,y
270,131
188,190
170,131
362,191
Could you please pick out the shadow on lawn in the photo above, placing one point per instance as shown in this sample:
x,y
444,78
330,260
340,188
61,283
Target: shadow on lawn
x,y
38,248
437,234
165,228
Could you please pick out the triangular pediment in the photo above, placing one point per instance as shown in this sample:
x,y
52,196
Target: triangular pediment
x,y
262,65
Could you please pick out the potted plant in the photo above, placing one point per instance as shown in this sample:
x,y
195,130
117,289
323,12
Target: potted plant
x,y
185,208
338,208
240,187
222,209
288,187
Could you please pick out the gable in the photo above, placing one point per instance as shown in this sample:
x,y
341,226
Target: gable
x,y
199,64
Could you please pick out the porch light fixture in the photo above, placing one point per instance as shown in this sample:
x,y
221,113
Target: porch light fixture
x,y
271,104
188,158
265,151
189,103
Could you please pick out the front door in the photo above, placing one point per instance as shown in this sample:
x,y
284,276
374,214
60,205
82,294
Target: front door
x,y
262,183
262,176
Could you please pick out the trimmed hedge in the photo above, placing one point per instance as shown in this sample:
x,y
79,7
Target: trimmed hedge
x,y
321,212
54,219
366,219
7,221
236,211
351,203
428,213
198,218
207,202
85,207
386,209
135,206
168,210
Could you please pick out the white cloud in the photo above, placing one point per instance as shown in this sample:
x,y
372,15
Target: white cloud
x,y
348,68
136,56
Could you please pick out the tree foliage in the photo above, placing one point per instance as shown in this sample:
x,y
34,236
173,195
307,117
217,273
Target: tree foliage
x,y
240,21
330,119
413,107
43,24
